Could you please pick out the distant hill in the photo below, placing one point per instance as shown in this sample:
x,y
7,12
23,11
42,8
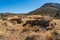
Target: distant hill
x,y
8,13
47,8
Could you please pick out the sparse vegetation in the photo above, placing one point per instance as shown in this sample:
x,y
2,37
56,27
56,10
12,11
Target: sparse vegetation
x,y
43,25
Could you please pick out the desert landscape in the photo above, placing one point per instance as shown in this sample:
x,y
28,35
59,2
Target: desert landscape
x,y
29,27
40,24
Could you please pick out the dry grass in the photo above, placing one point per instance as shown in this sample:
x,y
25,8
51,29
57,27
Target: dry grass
x,y
18,32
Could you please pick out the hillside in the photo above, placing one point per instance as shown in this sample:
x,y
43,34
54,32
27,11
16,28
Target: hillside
x,y
47,8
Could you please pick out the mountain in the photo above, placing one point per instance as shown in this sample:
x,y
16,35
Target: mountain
x,y
47,8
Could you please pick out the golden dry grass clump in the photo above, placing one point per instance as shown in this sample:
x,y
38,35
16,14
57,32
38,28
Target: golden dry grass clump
x,y
17,32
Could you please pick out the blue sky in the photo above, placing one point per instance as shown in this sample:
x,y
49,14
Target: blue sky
x,y
22,6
